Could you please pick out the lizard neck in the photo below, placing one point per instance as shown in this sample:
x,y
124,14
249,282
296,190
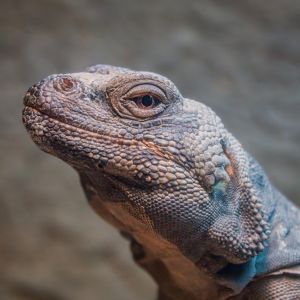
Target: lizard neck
x,y
177,276
283,244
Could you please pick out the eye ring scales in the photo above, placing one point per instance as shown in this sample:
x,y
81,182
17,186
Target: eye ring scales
x,y
141,101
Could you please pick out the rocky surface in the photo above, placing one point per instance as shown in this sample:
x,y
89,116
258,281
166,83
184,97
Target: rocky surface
x,y
240,57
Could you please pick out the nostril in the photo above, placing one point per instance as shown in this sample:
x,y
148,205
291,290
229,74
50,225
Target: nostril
x,y
65,84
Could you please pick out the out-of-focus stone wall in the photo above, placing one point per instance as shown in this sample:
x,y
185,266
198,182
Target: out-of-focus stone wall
x,y
240,57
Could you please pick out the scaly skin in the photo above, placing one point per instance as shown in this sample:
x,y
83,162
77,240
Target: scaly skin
x,y
200,213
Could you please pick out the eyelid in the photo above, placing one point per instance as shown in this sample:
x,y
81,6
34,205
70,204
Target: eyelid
x,y
146,89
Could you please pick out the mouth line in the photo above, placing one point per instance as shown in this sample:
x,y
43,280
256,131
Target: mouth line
x,y
80,129
150,146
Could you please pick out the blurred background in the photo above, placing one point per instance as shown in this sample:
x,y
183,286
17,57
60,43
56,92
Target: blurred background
x,y
242,58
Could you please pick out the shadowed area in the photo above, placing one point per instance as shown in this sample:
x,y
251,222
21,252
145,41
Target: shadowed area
x,y
240,58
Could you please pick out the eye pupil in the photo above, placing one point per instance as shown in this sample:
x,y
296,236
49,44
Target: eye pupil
x,y
147,101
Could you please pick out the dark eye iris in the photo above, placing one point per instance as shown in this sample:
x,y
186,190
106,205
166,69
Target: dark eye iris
x,y
146,102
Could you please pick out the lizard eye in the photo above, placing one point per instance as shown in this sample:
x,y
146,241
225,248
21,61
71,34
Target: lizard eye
x,y
141,101
146,101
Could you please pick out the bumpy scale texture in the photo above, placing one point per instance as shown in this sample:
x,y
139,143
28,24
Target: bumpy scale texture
x,y
200,213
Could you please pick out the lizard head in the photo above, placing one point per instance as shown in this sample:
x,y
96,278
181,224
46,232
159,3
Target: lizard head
x,y
179,170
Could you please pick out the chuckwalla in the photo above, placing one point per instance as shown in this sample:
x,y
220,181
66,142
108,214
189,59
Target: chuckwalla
x,y
201,215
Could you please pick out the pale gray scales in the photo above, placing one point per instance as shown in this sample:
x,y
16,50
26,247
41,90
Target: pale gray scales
x,y
200,213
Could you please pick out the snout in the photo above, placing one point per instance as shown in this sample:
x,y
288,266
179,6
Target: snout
x,y
41,96
32,96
